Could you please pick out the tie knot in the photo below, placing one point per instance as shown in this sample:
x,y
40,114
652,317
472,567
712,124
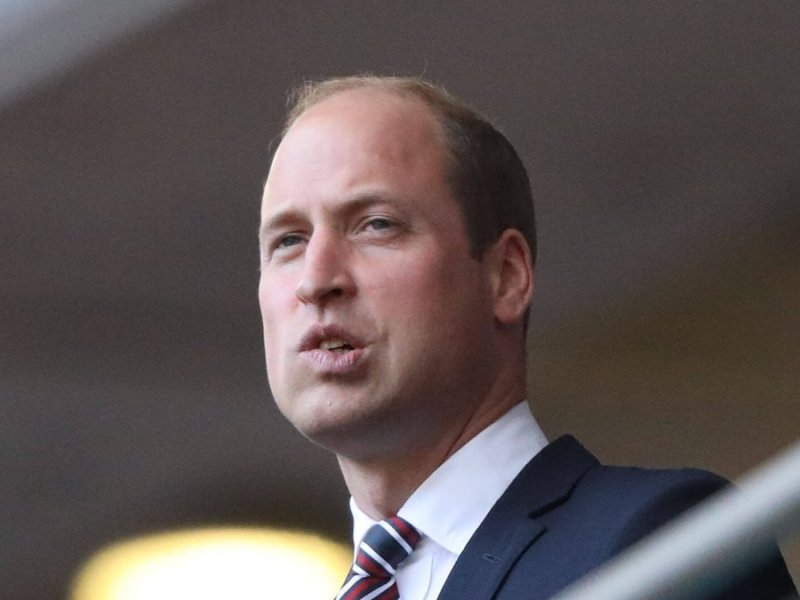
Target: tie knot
x,y
386,545
389,542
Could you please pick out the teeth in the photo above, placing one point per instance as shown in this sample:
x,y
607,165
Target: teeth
x,y
333,344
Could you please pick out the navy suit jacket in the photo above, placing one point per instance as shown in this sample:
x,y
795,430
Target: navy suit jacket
x,y
565,514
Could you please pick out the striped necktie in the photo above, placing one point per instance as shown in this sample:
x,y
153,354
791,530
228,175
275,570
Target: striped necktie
x,y
385,546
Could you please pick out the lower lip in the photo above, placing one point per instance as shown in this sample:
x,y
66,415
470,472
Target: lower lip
x,y
327,362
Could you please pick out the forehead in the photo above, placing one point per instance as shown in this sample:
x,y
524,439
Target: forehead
x,y
355,136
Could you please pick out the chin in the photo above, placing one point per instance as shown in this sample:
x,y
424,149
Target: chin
x,y
344,428
338,436
318,415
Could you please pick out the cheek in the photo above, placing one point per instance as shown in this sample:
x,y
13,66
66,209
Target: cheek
x,y
418,297
275,298
450,300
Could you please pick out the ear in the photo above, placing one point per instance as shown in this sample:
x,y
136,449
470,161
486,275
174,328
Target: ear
x,y
511,275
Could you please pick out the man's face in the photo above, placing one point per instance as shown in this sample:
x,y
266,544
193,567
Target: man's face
x,y
377,322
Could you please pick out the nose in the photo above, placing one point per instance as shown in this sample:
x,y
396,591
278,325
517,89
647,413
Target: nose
x,y
326,271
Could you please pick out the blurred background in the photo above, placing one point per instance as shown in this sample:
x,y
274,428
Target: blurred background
x,y
663,144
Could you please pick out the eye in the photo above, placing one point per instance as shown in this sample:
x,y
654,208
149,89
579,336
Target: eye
x,y
284,246
288,241
379,224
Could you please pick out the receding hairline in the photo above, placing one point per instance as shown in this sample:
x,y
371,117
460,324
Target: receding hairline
x,y
436,99
377,97
304,100
427,127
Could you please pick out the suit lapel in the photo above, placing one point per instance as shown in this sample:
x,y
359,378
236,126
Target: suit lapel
x,y
512,525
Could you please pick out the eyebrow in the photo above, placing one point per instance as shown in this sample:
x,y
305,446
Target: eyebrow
x,y
279,220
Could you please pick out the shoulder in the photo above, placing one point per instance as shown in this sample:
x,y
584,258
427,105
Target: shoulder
x,y
574,480
610,507
597,508
634,501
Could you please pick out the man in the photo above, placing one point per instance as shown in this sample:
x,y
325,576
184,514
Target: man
x,y
397,240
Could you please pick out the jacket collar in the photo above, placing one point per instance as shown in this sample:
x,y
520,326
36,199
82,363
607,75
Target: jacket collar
x,y
512,526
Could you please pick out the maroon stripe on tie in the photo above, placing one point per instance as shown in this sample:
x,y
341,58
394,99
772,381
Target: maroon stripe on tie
x,y
359,589
366,562
409,534
390,594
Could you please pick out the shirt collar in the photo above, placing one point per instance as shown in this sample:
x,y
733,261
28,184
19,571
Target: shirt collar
x,y
453,501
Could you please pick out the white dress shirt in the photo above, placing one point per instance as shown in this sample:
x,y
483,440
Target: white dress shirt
x,y
450,504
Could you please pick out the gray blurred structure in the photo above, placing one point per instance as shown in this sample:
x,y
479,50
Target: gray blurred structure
x,y
41,38
663,146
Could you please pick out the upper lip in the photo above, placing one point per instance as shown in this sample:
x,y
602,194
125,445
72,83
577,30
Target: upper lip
x,y
318,333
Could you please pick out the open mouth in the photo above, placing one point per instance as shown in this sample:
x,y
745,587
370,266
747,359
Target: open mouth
x,y
331,341
335,345
333,350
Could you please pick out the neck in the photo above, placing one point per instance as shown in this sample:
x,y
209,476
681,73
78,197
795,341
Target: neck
x,y
381,485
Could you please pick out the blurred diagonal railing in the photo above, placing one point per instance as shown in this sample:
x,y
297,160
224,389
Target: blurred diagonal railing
x,y
705,548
